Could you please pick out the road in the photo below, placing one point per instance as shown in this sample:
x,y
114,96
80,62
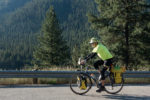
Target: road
x,y
63,92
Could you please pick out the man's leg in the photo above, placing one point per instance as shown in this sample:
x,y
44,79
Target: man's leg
x,y
102,88
107,65
97,64
103,76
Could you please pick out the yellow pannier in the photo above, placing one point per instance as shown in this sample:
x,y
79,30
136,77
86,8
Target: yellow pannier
x,y
82,83
117,71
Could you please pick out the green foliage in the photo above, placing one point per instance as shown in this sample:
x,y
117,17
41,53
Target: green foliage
x,y
52,50
21,22
123,26
75,55
18,30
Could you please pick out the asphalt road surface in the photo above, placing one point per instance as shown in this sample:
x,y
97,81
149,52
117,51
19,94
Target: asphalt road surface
x,y
63,92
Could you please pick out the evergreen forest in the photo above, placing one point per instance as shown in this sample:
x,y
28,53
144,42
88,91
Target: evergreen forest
x,y
122,25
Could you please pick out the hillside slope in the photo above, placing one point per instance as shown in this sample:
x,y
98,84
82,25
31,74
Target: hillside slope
x,y
20,26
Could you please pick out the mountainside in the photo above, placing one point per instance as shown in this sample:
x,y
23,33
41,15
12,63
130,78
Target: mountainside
x,y
21,22
11,5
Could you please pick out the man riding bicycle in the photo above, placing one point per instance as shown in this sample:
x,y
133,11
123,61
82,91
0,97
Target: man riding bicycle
x,y
106,59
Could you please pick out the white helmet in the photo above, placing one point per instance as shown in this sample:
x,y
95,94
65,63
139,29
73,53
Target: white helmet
x,y
93,40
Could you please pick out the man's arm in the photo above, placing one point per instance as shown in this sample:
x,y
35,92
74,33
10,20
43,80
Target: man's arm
x,y
90,56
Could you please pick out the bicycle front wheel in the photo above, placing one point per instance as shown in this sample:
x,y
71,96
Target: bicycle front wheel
x,y
80,83
111,86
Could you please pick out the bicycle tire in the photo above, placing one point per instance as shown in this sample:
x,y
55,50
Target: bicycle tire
x,y
74,77
110,83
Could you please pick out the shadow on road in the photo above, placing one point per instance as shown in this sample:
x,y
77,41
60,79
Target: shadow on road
x,y
121,97
126,97
33,86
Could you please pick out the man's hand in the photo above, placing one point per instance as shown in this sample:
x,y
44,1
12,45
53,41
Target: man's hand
x,y
82,62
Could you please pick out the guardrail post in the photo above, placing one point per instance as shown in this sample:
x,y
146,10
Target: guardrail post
x,y
35,80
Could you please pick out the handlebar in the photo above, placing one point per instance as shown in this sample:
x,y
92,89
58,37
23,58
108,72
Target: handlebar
x,y
85,65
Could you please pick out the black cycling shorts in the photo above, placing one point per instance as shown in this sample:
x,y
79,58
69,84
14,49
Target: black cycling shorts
x,y
101,62
98,63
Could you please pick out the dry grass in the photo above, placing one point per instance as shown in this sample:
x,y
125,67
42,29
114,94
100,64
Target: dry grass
x,y
52,68
137,80
14,81
70,68
8,81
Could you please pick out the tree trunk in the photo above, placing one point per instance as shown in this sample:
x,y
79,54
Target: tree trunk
x,y
127,37
127,45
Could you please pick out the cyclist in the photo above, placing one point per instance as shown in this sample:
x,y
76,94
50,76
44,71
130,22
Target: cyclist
x,y
106,59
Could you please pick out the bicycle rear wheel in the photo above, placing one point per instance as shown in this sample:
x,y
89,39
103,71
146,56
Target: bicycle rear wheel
x,y
77,86
111,86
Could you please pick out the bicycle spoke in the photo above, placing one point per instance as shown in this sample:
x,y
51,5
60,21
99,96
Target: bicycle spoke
x,y
80,83
112,87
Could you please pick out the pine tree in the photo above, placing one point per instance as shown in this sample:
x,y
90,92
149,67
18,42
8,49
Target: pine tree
x,y
52,49
122,24
75,55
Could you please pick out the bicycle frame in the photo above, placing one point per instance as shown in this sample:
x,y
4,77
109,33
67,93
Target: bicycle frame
x,y
96,81
108,74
